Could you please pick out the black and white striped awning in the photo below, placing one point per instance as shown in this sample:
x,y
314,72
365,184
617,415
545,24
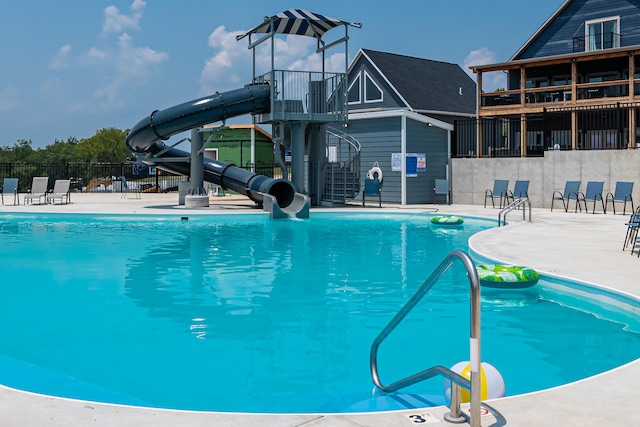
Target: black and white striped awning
x,y
299,22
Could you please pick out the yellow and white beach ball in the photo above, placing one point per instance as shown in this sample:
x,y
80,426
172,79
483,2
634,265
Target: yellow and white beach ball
x,y
491,382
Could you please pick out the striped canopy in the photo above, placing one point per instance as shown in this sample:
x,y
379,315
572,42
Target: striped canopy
x,y
299,22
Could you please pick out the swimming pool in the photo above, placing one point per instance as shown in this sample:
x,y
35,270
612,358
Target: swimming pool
x,y
240,313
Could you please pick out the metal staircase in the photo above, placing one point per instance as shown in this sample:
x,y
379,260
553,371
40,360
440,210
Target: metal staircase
x,y
342,169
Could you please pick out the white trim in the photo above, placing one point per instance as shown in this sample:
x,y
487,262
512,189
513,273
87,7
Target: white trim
x,y
446,113
401,113
403,163
541,29
385,79
212,150
364,89
358,79
587,42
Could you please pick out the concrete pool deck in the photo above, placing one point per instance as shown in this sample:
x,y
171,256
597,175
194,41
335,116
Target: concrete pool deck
x,y
577,245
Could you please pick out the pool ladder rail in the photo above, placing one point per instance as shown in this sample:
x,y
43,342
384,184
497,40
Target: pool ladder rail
x,y
457,380
502,215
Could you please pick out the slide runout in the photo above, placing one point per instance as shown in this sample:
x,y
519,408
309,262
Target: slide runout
x,y
147,135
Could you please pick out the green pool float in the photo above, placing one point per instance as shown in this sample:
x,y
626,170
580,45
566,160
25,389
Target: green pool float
x,y
507,276
447,220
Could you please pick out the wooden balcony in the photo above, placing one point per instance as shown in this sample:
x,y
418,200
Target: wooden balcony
x,y
534,100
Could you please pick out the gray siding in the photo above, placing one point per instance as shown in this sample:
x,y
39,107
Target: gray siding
x,y
557,38
431,141
390,101
379,138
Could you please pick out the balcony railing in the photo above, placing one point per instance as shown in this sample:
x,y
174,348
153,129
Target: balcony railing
x,y
603,127
305,95
585,92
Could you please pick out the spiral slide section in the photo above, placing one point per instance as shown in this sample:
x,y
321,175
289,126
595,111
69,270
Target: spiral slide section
x,y
147,136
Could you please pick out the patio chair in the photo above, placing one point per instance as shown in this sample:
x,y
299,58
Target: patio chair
x,y
38,190
372,188
499,191
126,189
10,187
571,189
520,191
622,194
632,231
60,191
593,193
442,189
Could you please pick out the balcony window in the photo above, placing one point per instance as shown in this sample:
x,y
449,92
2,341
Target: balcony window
x,y
602,34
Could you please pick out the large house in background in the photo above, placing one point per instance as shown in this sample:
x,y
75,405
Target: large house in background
x,y
402,110
574,85
570,110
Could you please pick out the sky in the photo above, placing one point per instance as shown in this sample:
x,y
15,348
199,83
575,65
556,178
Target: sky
x,y
72,67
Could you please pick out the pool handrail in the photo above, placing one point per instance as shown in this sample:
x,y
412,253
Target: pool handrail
x,y
502,215
457,380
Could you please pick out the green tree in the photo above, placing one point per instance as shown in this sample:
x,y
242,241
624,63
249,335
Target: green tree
x,y
59,151
106,145
20,152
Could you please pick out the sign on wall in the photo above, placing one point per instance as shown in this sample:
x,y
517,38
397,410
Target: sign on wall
x,y
414,162
396,162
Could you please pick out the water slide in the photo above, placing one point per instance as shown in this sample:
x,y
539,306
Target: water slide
x,y
145,139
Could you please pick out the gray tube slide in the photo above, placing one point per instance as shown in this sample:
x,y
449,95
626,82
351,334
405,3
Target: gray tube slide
x,y
147,135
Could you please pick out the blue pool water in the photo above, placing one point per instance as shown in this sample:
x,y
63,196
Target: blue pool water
x,y
242,313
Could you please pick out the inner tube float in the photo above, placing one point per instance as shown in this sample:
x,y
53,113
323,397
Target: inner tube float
x,y
506,276
447,220
375,173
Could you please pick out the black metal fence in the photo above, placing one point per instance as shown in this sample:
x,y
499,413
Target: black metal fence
x,y
100,177
598,128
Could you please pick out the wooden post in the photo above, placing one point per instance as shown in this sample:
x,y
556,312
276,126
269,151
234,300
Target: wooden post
x,y
478,108
632,95
574,96
523,134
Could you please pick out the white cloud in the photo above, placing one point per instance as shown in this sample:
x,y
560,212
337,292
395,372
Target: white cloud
x,y
8,99
113,69
490,81
115,22
230,65
480,56
96,54
61,60
123,67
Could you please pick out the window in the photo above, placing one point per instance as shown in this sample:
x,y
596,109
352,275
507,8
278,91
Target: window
x,y
602,34
561,80
368,88
372,93
536,82
354,91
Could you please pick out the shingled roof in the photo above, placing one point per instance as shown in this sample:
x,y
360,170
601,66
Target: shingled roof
x,y
426,85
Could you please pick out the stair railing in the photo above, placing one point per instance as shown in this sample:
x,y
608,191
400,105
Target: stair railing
x,y
343,173
457,380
